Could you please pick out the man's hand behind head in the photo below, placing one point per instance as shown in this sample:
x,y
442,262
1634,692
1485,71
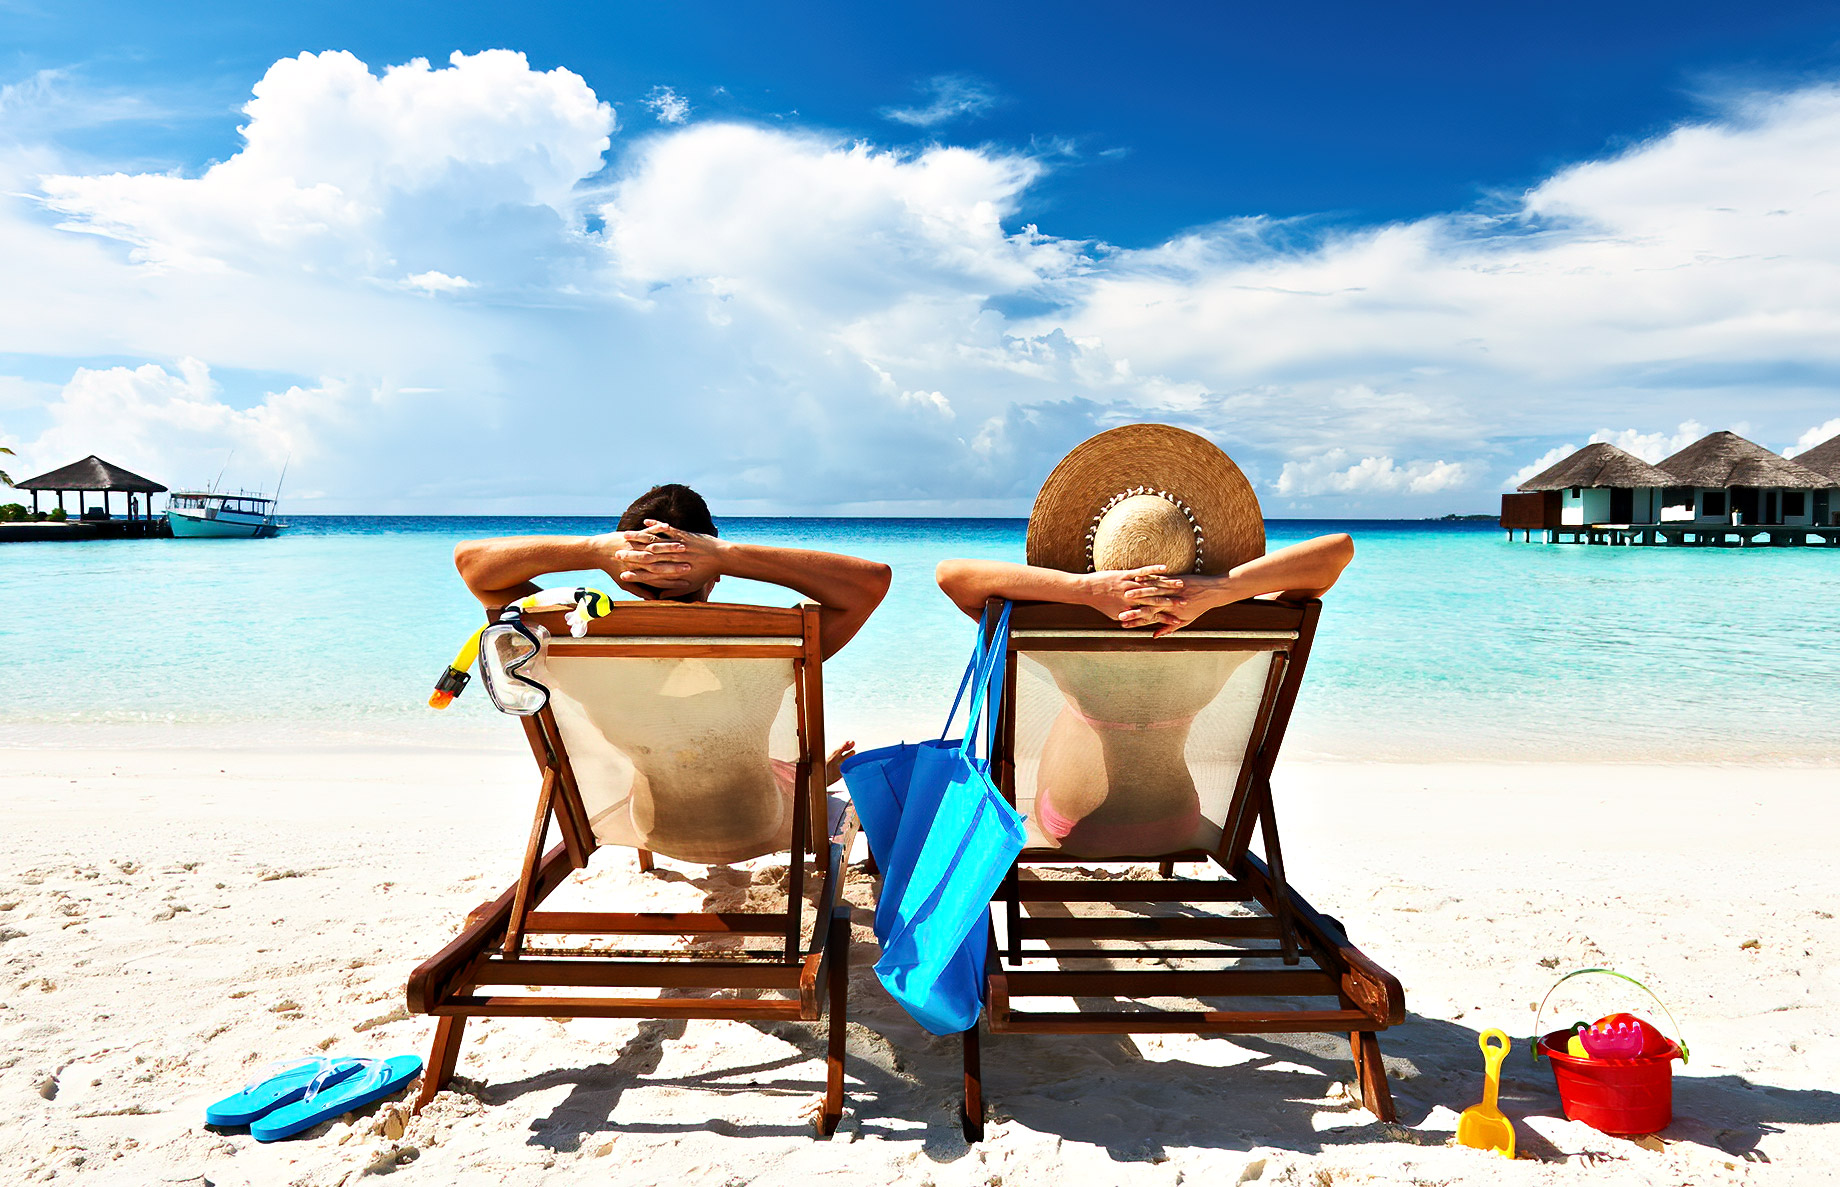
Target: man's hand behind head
x,y
661,561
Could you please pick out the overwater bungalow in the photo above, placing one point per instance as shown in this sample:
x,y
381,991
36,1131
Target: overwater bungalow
x,y
1598,485
1824,459
1720,490
1724,480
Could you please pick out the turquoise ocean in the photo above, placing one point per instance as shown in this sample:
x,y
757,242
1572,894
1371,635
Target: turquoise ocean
x,y
1444,641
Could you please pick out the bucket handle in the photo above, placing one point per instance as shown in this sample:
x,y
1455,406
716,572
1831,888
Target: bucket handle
x,y
1534,1042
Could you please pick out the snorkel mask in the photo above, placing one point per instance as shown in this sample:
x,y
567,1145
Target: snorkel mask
x,y
510,651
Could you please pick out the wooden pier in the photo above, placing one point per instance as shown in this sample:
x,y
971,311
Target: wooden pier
x,y
1692,535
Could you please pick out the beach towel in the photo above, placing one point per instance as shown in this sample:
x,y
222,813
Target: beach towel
x,y
944,838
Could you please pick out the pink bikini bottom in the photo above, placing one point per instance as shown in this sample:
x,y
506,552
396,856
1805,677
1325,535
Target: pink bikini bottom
x,y
1148,836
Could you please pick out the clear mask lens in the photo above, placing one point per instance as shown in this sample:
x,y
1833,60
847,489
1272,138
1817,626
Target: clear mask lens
x,y
510,663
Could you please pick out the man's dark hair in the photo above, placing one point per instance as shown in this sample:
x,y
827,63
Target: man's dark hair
x,y
673,503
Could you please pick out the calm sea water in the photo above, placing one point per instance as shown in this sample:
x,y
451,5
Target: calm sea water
x,y
1442,640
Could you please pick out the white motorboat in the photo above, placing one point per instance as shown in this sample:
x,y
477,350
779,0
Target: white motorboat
x,y
197,513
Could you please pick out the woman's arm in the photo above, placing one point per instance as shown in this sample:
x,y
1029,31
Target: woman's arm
x,y
1145,597
970,583
1304,570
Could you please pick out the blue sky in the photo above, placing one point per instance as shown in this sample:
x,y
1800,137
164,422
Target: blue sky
x,y
899,260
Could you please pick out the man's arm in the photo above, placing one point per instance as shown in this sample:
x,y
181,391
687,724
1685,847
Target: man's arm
x,y
502,570
846,588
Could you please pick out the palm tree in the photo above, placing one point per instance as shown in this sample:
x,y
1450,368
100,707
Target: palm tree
x,y
4,476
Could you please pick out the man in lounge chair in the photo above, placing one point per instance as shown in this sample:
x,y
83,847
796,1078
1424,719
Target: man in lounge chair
x,y
666,549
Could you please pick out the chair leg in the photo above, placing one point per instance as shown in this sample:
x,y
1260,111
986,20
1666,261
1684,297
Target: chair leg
x,y
645,861
1370,1074
839,942
441,1059
1166,869
972,1118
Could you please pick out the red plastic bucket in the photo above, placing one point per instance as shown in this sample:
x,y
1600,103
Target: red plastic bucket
x,y
1617,1096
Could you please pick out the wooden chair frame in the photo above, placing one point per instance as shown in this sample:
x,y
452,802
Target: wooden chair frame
x,y
493,949
1303,953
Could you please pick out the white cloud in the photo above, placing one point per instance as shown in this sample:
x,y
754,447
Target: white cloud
x,y
347,172
438,282
953,97
932,401
1652,447
669,106
1819,434
778,294
53,100
1551,457
150,418
1328,474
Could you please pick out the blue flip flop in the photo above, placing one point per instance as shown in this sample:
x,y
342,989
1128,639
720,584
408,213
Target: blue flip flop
x,y
276,1085
378,1079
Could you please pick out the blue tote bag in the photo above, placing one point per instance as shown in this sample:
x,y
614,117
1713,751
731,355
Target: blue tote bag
x,y
944,837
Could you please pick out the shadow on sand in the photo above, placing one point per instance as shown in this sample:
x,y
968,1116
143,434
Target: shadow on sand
x,y
1105,1090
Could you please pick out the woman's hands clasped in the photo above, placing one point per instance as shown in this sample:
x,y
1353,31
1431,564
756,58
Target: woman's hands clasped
x,y
1135,597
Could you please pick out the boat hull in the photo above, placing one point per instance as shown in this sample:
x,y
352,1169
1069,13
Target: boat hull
x,y
225,525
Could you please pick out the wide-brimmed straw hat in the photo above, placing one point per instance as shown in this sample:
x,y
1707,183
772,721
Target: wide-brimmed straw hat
x,y
1147,494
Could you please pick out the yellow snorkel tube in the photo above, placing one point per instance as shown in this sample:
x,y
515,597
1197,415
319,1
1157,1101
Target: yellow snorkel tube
x,y
583,605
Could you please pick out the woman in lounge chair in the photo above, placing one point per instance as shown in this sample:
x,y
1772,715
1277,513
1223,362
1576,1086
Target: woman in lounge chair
x,y
1151,526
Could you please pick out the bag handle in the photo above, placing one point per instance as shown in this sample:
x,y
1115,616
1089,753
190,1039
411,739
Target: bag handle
x,y
982,700
976,665
1534,1042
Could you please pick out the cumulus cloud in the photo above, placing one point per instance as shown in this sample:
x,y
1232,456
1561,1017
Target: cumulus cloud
x,y
345,171
669,106
1329,474
1819,434
952,97
463,262
1652,447
438,282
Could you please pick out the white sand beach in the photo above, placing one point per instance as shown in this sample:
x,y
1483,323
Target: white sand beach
x,y
172,919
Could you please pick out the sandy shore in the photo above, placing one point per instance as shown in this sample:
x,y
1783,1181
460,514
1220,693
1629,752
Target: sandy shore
x,y
171,919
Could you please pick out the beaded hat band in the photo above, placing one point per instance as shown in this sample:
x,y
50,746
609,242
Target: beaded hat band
x,y
1116,472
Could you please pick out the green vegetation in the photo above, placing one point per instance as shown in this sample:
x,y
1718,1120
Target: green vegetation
x,y
14,513
57,515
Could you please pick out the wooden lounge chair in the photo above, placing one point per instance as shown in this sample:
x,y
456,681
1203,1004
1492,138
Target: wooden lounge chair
x,y
658,737
1174,740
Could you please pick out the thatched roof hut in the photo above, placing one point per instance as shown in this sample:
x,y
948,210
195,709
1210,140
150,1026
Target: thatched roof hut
x,y
1600,465
92,474
1723,459
1823,459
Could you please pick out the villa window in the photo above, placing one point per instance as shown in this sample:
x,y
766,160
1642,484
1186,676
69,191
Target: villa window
x,y
1794,503
1712,503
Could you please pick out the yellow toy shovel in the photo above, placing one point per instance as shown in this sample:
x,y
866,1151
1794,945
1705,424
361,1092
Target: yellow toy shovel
x,y
1483,1127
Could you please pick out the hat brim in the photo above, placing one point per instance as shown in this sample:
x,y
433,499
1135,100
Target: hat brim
x,y
1161,458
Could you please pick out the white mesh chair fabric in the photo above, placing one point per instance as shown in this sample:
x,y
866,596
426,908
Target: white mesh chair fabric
x,y
1132,753
690,758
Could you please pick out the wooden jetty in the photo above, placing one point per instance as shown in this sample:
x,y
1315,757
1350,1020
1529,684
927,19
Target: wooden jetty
x,y
91,476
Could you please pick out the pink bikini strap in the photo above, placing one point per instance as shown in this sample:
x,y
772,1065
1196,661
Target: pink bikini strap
x,y
1135,727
